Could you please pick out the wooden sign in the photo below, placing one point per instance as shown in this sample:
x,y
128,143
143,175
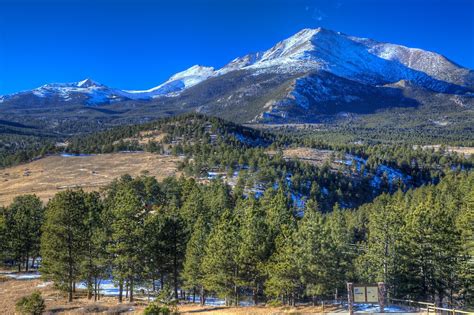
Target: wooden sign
x,y
372,295
359,294
363,293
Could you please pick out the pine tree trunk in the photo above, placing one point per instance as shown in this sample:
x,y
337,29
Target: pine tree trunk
x,y
194,295
202,297
236,295
71,282
175,274
70,292
95,289
89,290
121,291
27,261
126,289
131,290
254,295
98,290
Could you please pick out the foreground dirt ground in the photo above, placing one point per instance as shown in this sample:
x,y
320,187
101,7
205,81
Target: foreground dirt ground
x,y
11,290
56,303
257,310
46,176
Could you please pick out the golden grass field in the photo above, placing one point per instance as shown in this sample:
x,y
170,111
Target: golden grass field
x,y
311,156
12,290
46,176
466,151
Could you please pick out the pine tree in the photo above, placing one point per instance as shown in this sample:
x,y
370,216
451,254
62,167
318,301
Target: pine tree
x,y
254,246
282,268
63,239
24,218
193,274
431,248
155,258
465,223
278,213
95,262
175,236
314,252
341,254
380,261
127,238
219,264
4,240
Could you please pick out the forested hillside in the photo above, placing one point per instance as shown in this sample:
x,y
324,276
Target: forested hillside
x,y
353,174
209,240
350,173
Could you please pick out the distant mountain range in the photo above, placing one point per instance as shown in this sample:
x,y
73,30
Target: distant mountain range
x,y
313,76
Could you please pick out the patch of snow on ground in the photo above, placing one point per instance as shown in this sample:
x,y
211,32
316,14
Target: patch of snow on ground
x,y
23,275
75,155
374,308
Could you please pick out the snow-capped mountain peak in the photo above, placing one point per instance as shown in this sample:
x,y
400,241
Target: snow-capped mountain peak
x,y
194,71
178,82
360,59
86,83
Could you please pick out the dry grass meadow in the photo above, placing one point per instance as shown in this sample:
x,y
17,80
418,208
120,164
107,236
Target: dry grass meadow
x,y
11,290
309,155
46,176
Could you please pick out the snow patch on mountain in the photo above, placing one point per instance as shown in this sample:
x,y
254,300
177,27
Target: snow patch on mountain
x,y
178,82
358,59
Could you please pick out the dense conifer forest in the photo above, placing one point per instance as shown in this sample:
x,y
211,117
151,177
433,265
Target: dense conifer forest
x,y
208,240
284,231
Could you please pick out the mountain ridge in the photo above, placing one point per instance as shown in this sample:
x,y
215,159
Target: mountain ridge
x,y
308,77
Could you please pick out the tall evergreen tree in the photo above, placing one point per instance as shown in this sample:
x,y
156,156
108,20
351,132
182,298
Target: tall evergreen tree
x,y
254,246
95,262
127,238
64,238
175,236
220,265
314,252
24,218
284,279
193,274
431,248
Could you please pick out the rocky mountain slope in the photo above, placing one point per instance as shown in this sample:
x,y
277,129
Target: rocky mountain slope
x,y
317,75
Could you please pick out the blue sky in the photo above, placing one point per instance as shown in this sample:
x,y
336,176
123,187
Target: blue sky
x,y
139,44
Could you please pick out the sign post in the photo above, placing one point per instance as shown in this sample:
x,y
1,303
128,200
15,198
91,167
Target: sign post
x,y
350,297
381,293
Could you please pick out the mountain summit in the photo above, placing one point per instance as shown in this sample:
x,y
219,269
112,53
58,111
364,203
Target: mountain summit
x,y
314,74
360,59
